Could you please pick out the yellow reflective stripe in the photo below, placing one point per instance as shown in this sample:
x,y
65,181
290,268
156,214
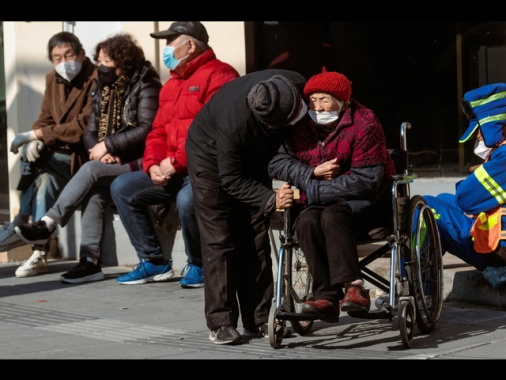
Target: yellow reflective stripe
x,y
488,222
492,186
480,102
488,119
482,216
436,214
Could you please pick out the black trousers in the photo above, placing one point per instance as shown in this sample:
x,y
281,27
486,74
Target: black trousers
x,y
328,237
236,256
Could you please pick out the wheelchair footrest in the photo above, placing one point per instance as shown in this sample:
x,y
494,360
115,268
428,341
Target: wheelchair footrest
x,y
371,314
292,316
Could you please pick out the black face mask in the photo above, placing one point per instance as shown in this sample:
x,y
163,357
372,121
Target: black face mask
x,y
107,75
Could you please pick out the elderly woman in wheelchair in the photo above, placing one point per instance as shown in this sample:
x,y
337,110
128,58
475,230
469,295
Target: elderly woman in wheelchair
x,y
337,157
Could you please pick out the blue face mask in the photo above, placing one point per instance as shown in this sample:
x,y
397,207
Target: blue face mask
x,y
168,58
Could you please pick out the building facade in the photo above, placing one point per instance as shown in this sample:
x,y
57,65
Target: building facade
x,y
404,71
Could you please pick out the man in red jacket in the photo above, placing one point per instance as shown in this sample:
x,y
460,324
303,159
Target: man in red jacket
x,y
196,75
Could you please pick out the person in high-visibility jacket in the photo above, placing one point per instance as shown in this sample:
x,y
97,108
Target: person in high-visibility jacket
x,y
472,222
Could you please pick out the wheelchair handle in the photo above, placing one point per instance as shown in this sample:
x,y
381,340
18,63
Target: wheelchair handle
x,y
404,126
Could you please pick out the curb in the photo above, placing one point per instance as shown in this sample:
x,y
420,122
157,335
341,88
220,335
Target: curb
x,y
461,283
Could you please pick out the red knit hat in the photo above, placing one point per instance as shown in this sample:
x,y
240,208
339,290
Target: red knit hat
x,y
330,82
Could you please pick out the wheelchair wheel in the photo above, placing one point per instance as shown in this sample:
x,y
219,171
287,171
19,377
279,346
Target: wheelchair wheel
x,y
424,258
275,328
406,323
299,287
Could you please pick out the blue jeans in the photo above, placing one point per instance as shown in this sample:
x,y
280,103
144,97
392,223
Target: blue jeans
x,y
88,189
133,192
41,195
188,222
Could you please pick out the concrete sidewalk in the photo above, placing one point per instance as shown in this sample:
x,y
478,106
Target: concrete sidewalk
x,y
41,318
461,283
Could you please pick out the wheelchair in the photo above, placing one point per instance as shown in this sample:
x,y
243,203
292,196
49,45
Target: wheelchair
x,y
414,284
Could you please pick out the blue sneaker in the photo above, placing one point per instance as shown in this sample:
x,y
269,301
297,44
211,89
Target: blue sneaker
x,y
147,272
193,276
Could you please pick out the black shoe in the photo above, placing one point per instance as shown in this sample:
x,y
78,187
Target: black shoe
x,y
34,233
85,271
256,331
262,331
225,335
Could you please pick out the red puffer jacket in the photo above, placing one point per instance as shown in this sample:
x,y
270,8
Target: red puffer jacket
x,y
181,98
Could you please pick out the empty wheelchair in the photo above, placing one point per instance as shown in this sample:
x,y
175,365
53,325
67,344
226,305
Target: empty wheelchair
x,y
414,286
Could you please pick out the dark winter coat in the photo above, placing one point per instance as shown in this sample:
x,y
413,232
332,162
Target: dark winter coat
x,y
139,109
229,145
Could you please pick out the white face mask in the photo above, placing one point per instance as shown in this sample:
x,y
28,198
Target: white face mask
x,y
481,150
323,117
302,113
68,70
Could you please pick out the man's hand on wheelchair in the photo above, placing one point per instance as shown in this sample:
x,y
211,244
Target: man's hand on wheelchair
x,y
284,197
327,170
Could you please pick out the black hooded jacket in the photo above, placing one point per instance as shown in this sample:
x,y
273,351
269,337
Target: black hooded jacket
x,y
227,144
139,110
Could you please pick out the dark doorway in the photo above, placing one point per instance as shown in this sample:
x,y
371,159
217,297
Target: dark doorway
x,y
404,71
